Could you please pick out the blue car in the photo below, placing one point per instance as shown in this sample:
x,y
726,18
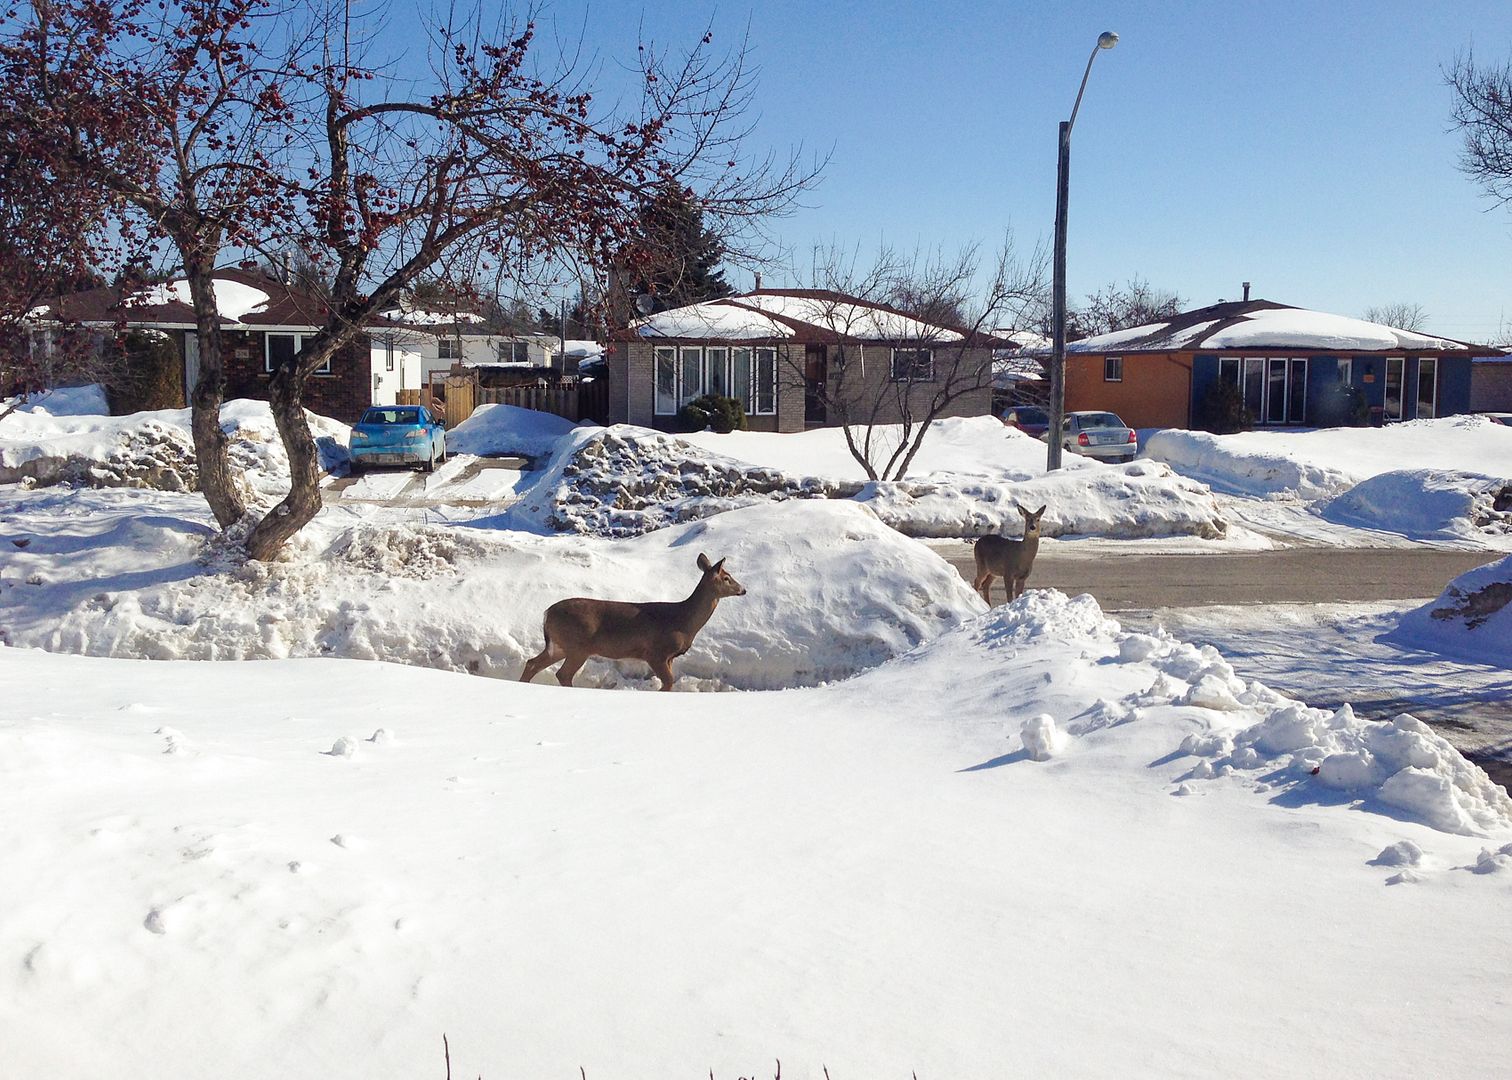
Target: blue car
x,y
398,435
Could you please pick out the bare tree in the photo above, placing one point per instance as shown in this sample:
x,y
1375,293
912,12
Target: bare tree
x,y
1483,115
896,369
1402,315
1118,307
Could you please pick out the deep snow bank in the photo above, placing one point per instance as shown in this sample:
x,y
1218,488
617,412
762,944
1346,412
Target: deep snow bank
x,y
625,481
500,430
1472,617
1428,504
831,591
64,401
1247,464
154,449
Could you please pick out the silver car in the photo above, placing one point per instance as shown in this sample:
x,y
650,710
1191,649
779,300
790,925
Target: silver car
x,y
1100,435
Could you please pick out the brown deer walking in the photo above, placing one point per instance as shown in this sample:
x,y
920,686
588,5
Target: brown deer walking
x,y
1009,559
657,633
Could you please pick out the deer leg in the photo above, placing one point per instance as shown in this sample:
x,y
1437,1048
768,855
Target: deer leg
x,y
983,586
1018,587
569,669
544,659
662,669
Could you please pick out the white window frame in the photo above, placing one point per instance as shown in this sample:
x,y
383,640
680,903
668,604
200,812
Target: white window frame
x,y
1107,360
513,348
893,367
1417,396
1401,409
445,347
299,340
758,400
388,354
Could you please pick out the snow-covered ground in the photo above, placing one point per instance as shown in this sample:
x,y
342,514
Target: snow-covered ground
x,y
321,866
1446,481
1472,618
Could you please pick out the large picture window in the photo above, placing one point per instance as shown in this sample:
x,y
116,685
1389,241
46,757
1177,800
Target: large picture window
x,y
514,352
280,349
684,373
913,365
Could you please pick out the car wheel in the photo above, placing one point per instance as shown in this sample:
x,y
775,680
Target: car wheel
x,y
354,467
430,462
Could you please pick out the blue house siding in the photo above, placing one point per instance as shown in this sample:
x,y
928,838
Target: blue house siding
x,y
1454,385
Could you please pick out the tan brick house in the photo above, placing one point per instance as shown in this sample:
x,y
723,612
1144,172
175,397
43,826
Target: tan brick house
x,y
797,358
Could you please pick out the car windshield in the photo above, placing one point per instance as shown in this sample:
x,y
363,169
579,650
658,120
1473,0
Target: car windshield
x,y
391,416
1031,416
1099,419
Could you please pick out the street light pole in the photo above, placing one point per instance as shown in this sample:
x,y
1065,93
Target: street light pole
x,y
1105,40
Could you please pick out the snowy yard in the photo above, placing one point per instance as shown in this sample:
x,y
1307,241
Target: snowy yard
x,y
912,834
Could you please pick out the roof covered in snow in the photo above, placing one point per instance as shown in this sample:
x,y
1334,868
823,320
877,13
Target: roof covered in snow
x,y
245,298
800,316
1264,324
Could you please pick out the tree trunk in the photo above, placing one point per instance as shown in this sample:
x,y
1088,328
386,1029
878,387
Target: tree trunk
x,y
216,481
286,395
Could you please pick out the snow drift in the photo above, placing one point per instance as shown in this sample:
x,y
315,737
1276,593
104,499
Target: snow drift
x,y
831,591
506,430
1428,504
1472,617
154,449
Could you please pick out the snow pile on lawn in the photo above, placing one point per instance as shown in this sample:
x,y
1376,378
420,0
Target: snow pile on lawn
x,y
505,430
628,481
1325,463
625,481
1428,504
1141,499
831,591
154,449
964,445
1472,617
63,401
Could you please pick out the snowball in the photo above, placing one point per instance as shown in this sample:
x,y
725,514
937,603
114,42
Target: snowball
x,y
1137,648
342,747
1212,692
1041,739
1401,853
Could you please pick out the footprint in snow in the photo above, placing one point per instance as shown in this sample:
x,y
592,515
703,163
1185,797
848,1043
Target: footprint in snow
x,y
342,747
155,921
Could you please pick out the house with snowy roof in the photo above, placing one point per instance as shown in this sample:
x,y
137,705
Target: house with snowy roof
x,y
1290,365
797,358
465,338
264,322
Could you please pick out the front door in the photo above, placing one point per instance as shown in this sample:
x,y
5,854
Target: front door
x,y
815,371
191,364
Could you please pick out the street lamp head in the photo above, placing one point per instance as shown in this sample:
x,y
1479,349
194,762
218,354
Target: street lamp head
x,y
1107,39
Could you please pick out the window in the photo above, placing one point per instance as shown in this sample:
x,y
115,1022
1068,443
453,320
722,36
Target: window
x,y
1112,369
448,349
280,349
1274,389
1393,401
746,374
1345,370
514,352
388,354
913,365
1427,388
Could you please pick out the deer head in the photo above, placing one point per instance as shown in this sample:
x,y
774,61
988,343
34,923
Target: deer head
x,y
1031,519
715,574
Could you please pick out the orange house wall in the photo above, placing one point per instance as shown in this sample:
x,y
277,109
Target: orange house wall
x,y
1155,391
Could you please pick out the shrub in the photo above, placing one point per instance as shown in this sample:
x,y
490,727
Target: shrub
x,y
1340,405
146,373
721,414
1222,410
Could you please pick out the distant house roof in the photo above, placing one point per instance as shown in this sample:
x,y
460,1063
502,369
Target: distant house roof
x,y
801,316
1265,324
244,298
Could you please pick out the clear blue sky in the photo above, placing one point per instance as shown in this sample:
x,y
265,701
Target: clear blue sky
x,y
1302,146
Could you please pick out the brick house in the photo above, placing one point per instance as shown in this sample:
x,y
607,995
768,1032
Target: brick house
x,y
264,322
797,358
1289,365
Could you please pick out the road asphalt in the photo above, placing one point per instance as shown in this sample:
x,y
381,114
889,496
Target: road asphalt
x,y
1299,575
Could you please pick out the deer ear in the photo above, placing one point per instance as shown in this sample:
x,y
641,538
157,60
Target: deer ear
x,y
719,566
703,562
1040,511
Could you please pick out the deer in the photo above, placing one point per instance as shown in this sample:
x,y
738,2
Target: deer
x,y
1009,559
657,633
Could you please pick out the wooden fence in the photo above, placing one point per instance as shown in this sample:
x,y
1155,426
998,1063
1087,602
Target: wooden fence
x,y
454,397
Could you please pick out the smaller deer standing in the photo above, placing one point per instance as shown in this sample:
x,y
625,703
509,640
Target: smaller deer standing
x,y
657,633
1009,559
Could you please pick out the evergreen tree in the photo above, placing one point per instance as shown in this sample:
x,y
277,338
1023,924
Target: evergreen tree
x,y
672,262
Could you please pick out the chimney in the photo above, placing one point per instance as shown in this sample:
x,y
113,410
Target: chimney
x,y
1246,291
758,280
